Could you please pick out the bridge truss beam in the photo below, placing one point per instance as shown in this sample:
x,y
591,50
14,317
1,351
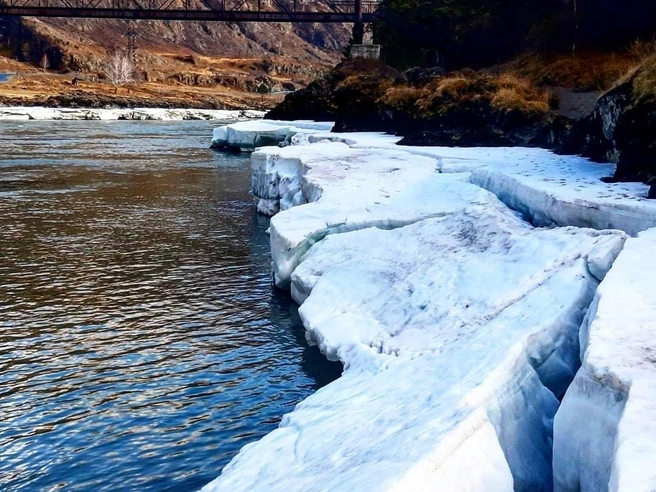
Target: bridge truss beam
x,y
348,12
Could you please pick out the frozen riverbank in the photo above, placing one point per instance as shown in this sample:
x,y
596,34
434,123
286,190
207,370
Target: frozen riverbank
x,y
163,114
456,319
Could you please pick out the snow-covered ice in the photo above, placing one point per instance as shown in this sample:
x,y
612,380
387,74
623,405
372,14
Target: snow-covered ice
x,y
605,431
568,191
165,114
547,188
249,135
449,328
347,189
456,320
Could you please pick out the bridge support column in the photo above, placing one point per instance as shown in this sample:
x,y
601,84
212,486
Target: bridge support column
x,y
358,26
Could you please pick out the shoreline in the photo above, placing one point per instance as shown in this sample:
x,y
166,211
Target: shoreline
x,y
58,91
434,385
42,113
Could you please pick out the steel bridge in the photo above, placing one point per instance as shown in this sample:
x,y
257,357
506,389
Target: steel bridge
x,y
357,12
321,11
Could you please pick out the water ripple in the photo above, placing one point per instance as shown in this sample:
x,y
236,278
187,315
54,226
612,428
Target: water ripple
x,y
141,344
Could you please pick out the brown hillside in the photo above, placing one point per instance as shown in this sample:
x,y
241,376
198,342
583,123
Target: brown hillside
x,y
237,57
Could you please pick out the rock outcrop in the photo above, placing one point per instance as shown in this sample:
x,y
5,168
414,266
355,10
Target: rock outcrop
x,y
426,107
622,127
348,95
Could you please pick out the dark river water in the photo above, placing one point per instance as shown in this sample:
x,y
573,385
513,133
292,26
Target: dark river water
x,y
141,342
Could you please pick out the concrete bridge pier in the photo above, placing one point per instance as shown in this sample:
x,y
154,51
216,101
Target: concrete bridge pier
x,y
359,49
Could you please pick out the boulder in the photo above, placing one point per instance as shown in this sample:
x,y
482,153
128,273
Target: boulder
x,y
347,95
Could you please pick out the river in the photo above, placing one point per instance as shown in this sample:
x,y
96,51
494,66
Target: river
x,y
141,342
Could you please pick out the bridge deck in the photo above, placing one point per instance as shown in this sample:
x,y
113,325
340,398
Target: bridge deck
x,y
221,10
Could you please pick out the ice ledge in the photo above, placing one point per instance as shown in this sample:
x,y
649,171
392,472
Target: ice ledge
x,y
548,189
247,136
605,430
569,191
347,189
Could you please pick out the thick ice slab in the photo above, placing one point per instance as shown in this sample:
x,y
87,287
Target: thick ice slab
x,y
605,430
249,135
455,333
41,113
548,189
348,189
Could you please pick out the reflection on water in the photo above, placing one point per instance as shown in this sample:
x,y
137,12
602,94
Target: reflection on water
x,y
141,344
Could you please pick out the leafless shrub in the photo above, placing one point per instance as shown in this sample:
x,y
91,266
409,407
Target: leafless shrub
x,y
119,69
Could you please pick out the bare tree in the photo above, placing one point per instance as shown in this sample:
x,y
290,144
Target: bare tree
x,y
45,63
119,69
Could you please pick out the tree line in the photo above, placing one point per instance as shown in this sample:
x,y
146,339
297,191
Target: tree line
x,y
476,33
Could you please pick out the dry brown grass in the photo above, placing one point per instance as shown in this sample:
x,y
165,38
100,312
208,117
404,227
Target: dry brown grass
x,y
583,72
511,99
640,49
452,87
35,87
515,93
643,78
468,91
403,98
502,92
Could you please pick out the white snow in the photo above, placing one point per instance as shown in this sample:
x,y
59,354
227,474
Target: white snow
x,y
41,113
549,189
248,135
457,321
351,189
448,328
568,191
605,432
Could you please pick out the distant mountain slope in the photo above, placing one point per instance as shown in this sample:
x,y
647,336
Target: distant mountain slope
x,y
79,44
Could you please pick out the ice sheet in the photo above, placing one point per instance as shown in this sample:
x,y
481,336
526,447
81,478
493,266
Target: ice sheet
x,y
456,320
567,190
605,434
249,135
347,189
